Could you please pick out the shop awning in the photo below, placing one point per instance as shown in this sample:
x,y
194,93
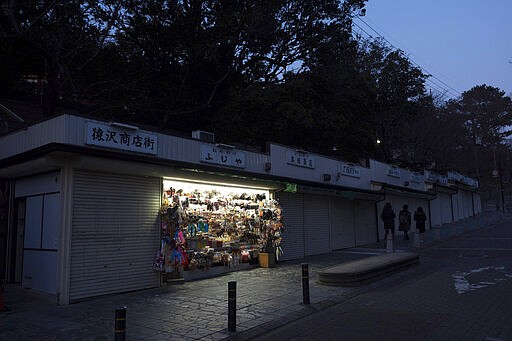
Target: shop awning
x,y
343,192
225,179
445,189
407,192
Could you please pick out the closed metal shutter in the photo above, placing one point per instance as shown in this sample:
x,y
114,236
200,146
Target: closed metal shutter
x,y
292,244
365,224
468,204
455,202
316,224
446,207
115,233
342,224
435,211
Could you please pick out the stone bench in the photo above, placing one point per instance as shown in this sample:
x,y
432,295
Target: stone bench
x,y
361,271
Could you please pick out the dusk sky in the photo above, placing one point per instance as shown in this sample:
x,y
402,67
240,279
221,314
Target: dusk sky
x,y
463,43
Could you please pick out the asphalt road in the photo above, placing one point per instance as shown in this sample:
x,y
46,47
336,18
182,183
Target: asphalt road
x,y
461,290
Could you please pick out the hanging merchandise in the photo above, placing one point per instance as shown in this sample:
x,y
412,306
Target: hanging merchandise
x,y
205,226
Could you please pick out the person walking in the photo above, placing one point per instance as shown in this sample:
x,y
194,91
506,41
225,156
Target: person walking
x,y
420,218
388,218
404,219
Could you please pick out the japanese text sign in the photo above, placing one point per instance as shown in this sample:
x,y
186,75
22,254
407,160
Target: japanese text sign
x,y
300,159
222,156
394,172
104,135
350,170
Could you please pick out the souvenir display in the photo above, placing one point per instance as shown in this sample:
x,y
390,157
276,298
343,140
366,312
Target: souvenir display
x,y
204,227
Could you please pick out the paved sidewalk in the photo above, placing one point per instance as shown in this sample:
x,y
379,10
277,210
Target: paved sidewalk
x,y
266,298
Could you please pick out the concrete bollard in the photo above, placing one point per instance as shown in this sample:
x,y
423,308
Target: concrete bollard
x,y
437,233
417,242
389,243
232,306
305,283
120,324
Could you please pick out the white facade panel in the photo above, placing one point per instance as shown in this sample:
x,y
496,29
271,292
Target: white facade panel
x,y
115,233
385,173
38,184
33,222
315,168
51,221
316,224
341,214
40,134
292,243
40,270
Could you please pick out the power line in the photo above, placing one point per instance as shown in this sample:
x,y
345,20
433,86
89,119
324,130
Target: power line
x,y
438,83
441,91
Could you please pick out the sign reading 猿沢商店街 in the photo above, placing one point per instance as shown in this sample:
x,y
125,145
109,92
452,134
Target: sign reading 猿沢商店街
x,y
222,156
104,135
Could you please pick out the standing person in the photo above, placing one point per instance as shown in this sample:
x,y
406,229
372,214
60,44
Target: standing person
x,y
420,218
388,218
404,219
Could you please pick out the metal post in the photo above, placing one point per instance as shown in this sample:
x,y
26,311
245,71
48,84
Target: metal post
x,y
305,283
120,324
232,306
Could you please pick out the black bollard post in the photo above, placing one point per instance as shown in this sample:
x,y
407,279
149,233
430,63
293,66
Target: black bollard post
x,y
232,306
120,324
305,283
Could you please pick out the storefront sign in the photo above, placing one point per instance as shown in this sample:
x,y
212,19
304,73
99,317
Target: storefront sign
x,y
455,176
442,179
350,170
416,177
105,135
222,156
300,159
394,172
431,176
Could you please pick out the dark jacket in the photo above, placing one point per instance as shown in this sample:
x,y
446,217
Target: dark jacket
x,y
406,224
420,218
388,217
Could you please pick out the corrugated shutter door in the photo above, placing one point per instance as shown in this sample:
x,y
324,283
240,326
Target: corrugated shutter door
x,y
456,212
468,205
316,224
435,211
115,233
365,224
446,207
293,235
342,223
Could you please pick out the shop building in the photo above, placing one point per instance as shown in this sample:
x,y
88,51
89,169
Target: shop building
x,y
104,207
86,203
441,208
330,207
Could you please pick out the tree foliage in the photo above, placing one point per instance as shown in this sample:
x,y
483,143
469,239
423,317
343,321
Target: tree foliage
x,y
287,71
